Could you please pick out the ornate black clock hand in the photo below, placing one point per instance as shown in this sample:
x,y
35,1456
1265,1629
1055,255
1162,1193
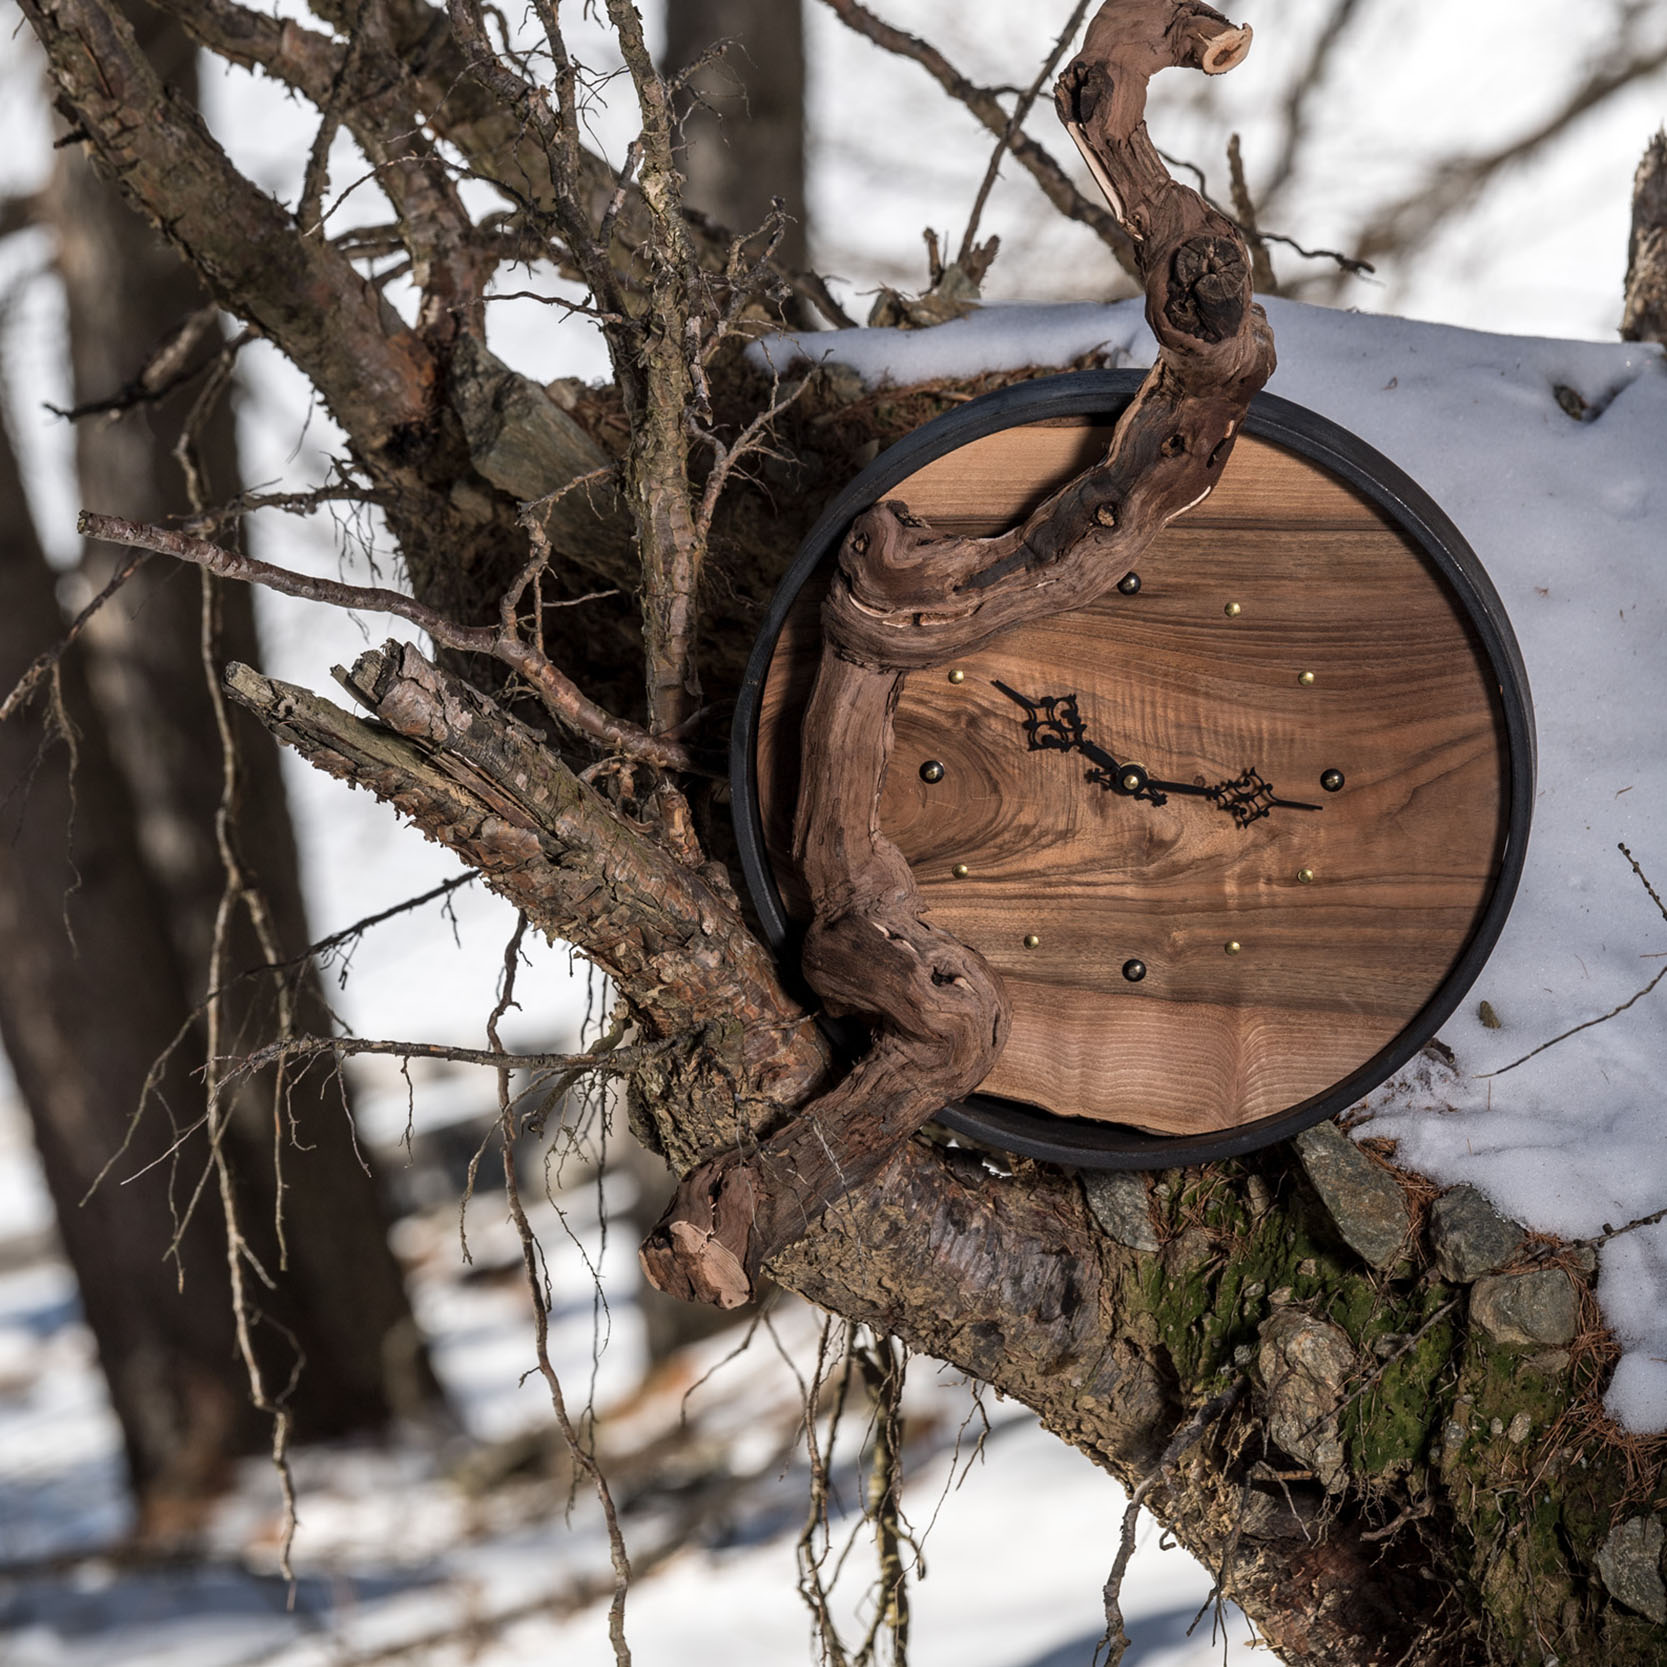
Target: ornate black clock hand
x,y
1054,723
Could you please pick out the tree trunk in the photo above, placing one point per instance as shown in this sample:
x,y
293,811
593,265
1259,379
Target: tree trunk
x,y
80,914
342,1298
1389,1477
1402,1480
745,126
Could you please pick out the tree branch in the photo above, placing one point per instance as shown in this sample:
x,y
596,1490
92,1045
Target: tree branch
x,y
562,697
986,107
905,597
376,376
669,936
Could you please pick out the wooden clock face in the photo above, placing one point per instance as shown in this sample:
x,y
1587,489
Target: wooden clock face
x,y
1229,835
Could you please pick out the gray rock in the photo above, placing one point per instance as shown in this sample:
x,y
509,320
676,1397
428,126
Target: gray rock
x,y
1526,1310
1469,1237
1118,1200
1305,1364
1630,1564
1365,1200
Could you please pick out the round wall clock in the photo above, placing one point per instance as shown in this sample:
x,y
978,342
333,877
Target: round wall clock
x,y
1238,837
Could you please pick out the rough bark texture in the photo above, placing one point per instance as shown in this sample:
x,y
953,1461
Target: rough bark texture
x,y
906,598
1644,316
1430,1495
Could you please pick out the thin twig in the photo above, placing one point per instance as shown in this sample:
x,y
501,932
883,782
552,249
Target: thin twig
x,y
1115,1641
1020,110
238,1251
983,103
1632,1226
1613,1012
561,696
619,1059
164,371
1408,1344
582,1456
48,661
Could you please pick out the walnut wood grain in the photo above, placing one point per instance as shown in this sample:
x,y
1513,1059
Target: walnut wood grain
x,y
1404,857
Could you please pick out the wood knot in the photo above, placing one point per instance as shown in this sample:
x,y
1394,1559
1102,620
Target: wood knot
x,y
1080,89
1210,282
1106,515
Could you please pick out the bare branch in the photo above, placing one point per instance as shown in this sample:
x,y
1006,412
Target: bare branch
x,y
561,696
1406,225
669,936
1614,1012
1299,102
1015,122
982,102
619,1060
373,372
45,662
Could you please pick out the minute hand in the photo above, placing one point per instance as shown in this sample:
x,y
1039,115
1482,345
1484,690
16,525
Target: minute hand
x,y
1247,798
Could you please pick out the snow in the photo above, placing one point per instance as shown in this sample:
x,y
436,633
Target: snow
x,y
1570,520
396,1553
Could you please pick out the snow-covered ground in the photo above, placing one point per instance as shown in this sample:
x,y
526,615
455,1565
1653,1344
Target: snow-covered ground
x,y
1569,517
398,1552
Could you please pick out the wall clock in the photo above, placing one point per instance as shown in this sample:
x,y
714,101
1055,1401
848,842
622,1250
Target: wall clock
x,y
1237,837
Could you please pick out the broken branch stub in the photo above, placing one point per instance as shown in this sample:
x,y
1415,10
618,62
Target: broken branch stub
x,y
907,598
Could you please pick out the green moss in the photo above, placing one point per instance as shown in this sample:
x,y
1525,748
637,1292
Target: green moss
x,y
1482,1428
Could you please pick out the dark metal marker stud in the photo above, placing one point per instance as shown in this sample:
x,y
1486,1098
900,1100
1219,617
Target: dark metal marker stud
x,y
1332,781
931,771
1134,971
1129,584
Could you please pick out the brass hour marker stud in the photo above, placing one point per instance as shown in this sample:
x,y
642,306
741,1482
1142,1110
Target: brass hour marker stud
x,y
1332,781
1232,610
1305,876
931,771
1032,941
1233,946
1306,679
957,676
1134,971
1129,584
960,871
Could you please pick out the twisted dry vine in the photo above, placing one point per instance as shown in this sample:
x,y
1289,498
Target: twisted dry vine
x,y
906,599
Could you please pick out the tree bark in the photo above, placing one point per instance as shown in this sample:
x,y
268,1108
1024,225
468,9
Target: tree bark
x,y
1644,316
1427,1496
1386,1482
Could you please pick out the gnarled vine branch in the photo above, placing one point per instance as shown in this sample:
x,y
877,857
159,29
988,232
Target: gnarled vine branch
x,y
906,598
